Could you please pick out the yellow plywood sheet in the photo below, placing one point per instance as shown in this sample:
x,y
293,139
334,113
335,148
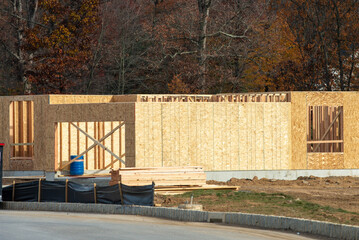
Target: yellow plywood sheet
x,y
234,134
167,135
218,136
176,134
140,136
252,136
351,130
79,99
259,128
299,130
325,160
156,134
184,134
268,135
324,98
192,153
285,135
207,136
243,136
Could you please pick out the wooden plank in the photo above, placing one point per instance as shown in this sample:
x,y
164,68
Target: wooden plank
x,y
95,147
86,146
11,128
325,141
112,145
57,164
60,143
69,141
204,187
16,128
21,127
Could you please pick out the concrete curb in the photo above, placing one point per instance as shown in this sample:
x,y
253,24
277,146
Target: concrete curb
x,y
326,229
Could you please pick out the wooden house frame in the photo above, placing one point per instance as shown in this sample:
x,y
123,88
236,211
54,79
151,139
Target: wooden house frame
x,y
244,131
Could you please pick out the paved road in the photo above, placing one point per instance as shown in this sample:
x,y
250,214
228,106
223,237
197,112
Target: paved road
x,y
16,225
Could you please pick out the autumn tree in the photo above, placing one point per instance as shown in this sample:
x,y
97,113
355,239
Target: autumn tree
x,y
61,44
326,33
17,18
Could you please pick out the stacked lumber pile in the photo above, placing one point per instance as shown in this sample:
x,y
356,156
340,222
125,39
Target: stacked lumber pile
x,y
163,176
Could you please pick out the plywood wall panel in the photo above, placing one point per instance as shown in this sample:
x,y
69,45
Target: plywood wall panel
x,y
207,134
299,130
156,135
218,137
167,126
234,134
184,134
325,160
192,153
176,134
252,136
285,136
268,135
324,98
351,130
259,139
243,136
140,136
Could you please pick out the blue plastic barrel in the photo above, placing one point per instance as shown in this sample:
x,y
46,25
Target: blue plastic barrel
x,y
77,166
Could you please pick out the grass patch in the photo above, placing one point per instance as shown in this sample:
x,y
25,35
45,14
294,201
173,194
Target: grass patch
x,y
265,203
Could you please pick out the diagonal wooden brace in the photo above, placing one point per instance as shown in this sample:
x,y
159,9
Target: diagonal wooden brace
x,y
98,143
93,145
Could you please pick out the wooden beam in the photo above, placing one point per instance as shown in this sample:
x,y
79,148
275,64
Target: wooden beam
x,y
60,129
325,141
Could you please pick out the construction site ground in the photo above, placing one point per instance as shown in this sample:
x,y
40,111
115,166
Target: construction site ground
x,y
332,199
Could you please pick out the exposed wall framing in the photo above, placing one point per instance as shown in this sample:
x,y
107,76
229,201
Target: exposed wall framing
x,y
325,129
70,141
244,131
21,127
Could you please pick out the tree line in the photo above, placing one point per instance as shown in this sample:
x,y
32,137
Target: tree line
x,y
177,46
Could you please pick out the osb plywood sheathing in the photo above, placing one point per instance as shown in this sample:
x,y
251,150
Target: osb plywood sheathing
x,y
217,136
351,130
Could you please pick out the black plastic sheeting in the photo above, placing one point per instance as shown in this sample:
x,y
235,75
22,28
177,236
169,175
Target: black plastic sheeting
x,y
109,194
52,191
138,195
55,191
